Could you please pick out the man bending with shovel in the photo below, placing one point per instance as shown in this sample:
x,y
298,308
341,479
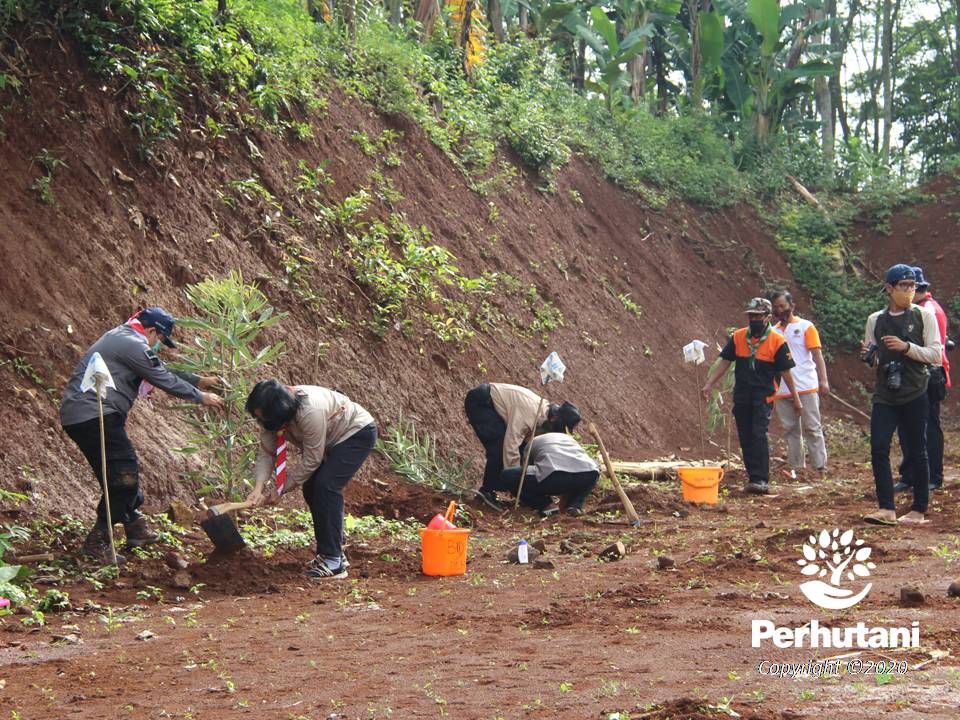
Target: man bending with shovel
x,y
335,436
131,352
760,355
503,417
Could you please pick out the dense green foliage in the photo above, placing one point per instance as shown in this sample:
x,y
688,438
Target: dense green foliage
x,y
812,244
713,102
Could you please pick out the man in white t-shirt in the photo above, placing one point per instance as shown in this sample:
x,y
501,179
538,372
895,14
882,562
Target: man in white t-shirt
x,y
810,377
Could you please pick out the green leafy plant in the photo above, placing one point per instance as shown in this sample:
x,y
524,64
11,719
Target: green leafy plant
x,y
415,456
43,185
227,342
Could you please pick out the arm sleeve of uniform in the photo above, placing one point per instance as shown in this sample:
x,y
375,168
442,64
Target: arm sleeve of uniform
x,y
313,426
147,366
812,338
783,360
870,330
188,376
729,351
265,456
932,351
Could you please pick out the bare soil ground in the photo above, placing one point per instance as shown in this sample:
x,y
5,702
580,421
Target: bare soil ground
x,y
580,639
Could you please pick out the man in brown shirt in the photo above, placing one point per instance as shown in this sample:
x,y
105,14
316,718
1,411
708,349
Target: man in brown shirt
x,y
503,417
335,435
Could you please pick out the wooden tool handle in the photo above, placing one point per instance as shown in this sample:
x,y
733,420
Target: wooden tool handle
x,y
230,506
624,498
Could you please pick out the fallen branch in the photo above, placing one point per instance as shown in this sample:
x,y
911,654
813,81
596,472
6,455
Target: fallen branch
x,y
848,405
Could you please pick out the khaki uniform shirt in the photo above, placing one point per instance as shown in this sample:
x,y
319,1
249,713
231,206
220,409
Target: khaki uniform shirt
x,y
325,418
518,408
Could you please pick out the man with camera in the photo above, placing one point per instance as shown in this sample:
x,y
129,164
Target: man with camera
x,y
902,342
936,392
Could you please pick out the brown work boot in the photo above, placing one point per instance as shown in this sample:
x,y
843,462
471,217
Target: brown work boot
x,y
139,533
97,547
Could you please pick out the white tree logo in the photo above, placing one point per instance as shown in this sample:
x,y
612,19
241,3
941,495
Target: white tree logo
x,y
834,552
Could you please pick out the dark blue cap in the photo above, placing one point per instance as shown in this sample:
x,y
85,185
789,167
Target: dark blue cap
x,y
922,282
899,272
157,317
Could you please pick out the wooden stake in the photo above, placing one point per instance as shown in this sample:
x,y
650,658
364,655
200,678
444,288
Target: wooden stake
x,y
103,472
624,498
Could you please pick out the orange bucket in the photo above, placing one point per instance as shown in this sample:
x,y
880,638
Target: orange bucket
x,y
701,484
445,551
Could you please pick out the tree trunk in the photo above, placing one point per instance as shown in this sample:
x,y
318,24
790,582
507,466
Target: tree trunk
x,y
524,19
696,62
496,19
839,41
886,59
221,8
396,12
426,15
823,98
659,62
956,35
637,71
465,35
875,89
580,71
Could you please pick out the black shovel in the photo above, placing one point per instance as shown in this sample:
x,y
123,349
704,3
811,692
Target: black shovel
x,y
221,529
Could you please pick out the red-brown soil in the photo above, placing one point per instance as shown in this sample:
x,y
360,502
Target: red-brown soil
x,y
75,268
581,640
923,234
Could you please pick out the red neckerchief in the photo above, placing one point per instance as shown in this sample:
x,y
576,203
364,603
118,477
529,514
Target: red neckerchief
x,y
134,322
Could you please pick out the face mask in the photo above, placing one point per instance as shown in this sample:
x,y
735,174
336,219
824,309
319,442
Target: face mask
x,y
757,327
902,298
155,348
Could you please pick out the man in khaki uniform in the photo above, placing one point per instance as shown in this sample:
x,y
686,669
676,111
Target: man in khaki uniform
x,y
503,418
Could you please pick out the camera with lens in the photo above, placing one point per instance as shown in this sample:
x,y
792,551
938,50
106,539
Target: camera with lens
x,y
870,355
894,373
949,345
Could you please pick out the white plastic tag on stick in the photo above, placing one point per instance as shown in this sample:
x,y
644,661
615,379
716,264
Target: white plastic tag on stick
x,y
552,369
693,353
97,368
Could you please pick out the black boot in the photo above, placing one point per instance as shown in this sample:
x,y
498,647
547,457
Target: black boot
x,y
139,533
97,547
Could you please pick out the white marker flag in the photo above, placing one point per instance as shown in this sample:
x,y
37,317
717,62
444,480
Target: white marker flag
x,y
552,369
693,353
97,368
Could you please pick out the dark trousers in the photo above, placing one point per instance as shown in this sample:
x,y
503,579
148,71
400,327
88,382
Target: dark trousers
x,y
912,418
324,490
936,391
539,495
490,429
753,421
123,470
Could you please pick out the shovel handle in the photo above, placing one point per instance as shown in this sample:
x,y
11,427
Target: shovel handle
x,y
451,509
230,507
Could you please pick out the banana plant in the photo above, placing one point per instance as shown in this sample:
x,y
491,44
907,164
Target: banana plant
x,y
611,52
761,64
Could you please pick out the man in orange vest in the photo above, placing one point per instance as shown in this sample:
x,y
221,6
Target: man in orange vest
x,y
760,355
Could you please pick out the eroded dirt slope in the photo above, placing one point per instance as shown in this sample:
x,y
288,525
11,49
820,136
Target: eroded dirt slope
x,y
119,234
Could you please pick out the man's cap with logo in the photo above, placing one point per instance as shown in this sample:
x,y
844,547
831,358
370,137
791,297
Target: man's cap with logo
x,y
759,306
922,282
899,272
157,317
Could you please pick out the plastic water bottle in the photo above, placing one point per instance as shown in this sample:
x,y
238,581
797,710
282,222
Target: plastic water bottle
x,y
523,553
